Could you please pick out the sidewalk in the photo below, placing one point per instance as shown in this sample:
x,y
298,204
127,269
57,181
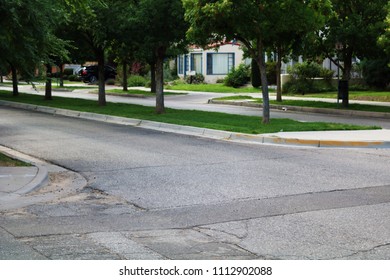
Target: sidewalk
x,y
20,186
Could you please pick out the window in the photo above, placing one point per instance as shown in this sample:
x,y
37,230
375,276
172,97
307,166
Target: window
x,y
219,63
180,64
197,63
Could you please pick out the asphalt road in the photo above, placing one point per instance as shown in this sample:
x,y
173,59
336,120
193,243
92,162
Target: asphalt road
x,y
168,196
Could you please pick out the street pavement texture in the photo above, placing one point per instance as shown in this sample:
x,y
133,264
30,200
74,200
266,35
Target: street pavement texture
x,y
121,192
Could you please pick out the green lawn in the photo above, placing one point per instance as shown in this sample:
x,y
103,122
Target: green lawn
x,y
213,88
314,104
219,121
140,92
381,96
10,162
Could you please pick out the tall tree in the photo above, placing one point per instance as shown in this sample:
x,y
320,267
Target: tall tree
x,y
384,39
161,25
94,22
292,20
252,22
26,36
351,30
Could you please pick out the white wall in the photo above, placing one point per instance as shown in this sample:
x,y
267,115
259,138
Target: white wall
x,y
228,48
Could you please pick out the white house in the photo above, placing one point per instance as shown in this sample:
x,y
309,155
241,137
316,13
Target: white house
x,y
211,63
216,62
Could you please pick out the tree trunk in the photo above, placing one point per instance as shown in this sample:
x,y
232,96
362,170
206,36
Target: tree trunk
x,y
160,109
264,82
153,77
124,69
48,95
61,75
101,81
278,77
347,74
14,81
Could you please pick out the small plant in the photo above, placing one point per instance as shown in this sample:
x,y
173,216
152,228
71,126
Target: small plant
x,y
136,81
238,76
303,78
195,79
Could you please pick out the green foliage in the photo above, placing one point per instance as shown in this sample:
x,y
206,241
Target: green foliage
x,y
305,70
195,79
377,72
136,81
27,33
238,77
74,78
303,78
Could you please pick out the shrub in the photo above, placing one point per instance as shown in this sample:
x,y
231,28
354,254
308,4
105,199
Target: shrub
x,y
136,81
68,71
303,75
238,76
195,79
305,70
326,74
74,78
377,73
110,82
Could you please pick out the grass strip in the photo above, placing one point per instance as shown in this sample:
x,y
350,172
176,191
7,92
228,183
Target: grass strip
x,y
212,120
313,104
220,88
10,162
140,92
380,96
329,105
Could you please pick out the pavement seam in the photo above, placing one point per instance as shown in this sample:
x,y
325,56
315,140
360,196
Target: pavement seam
x,y
200,132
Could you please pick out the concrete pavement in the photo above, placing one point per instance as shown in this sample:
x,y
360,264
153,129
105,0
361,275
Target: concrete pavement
x,y
19,181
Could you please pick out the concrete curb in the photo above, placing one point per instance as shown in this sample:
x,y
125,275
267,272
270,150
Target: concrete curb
x,y
39,180
306,109
260,139
24,197
201,132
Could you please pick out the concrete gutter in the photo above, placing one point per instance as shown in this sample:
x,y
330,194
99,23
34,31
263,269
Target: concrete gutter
x,y
355,139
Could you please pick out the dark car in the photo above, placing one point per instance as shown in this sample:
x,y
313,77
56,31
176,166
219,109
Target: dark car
x,y
90,74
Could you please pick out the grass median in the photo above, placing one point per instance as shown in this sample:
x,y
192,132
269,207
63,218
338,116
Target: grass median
x,y
312,104
6,161
220,88
212,120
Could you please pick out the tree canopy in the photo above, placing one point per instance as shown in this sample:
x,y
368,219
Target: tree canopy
x,y
256,24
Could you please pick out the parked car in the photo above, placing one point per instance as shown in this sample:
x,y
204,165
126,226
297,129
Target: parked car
x,y
90,74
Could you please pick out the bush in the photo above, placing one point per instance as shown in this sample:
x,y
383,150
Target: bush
x,y
74,78
303,78
136,81
326,74
238,76
305,70
195,79
68,71
377,73
110,82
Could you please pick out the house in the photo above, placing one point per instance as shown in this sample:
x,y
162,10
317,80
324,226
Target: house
x,y
213,63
